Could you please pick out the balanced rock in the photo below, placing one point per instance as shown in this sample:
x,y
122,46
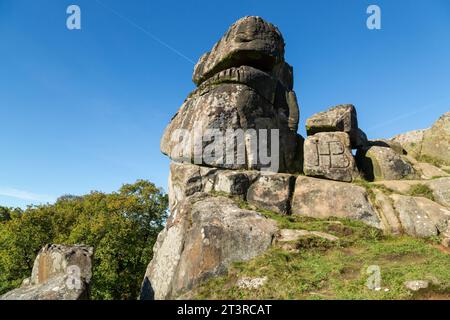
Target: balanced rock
x,y
201,241
383,163
329,155
339,118
59,273
323,199
244,114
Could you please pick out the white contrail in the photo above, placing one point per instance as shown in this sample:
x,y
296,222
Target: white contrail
x,y
407,115
24,195
155,38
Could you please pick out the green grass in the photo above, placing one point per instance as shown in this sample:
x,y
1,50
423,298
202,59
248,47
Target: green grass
x,y
369,186
447,170
336,270
431,160
421,190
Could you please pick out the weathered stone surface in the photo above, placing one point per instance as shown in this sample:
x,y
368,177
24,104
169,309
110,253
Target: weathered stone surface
x,y
235,183
251,283
446,237
428,171
383,163
272,192
339,118
187,179
389,220
200,241
59,273
322,199
432,143
394,145
411,142
360,139
260,81
288,239
416,285
419,216
440,188
436,140
288,235
328,155
249,41
235,107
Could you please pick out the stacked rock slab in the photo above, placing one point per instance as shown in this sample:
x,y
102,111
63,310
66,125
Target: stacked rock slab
x,y
59,273
244,86
332,135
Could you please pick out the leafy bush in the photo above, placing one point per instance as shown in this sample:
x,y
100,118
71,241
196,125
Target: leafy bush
x,y
121,226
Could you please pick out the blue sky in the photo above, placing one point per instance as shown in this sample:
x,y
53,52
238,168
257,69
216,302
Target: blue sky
x,y
84,110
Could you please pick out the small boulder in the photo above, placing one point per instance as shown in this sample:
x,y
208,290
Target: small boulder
x,y
383,163
323,199
328,155
419,216
251,283
339,118
417,285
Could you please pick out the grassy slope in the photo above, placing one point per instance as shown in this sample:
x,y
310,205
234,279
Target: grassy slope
x,y
326,270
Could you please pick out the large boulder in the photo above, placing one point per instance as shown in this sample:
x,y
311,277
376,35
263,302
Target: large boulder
x,y
205,236
328,155
339,118
59,273
323,199
383,163
421,217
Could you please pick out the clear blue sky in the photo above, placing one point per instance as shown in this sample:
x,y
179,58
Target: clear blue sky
x,y
84,110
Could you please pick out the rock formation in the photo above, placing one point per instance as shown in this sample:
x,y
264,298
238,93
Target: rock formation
x,y
245,87
219,208
432,143
59,273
